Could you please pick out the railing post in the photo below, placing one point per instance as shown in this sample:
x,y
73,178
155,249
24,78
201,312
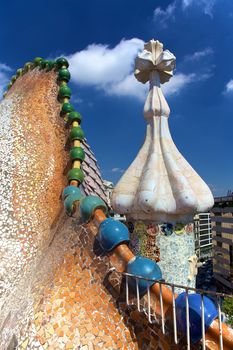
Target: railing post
x,y
127,289
187,319
161,306
148,297
138,295
220,323
174,315
203,321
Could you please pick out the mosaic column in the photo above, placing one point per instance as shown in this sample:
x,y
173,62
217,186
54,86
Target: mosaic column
x,y
160,189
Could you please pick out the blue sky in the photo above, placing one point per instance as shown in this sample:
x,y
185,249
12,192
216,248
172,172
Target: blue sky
x,y
101,39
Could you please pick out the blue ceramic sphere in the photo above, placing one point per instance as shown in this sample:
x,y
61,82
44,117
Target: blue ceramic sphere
x,y
140,266
71,190
112,233
88,205
210,313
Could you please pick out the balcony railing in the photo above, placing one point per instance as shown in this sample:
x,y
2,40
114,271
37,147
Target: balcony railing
x,y
156,315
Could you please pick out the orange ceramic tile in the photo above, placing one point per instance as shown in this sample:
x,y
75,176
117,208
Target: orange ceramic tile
x,y
78,311
69,345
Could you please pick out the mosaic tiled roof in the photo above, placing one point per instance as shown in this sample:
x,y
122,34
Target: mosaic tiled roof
x,y
93,182
57,289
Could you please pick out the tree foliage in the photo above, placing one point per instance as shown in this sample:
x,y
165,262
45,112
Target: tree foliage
x,y
228,309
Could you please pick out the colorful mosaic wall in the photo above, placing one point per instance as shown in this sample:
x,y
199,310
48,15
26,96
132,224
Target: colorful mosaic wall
x,y
75,311
33,159
171,246
81,306
32,162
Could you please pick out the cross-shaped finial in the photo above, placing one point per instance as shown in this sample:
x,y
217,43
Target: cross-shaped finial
x,y
153,58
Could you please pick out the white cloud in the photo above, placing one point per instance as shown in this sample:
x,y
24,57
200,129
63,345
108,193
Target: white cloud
x,y
5,67
108,69
199,54
164,15
4,76
77,99
229,87
111,70
117,170
100,65
177,83
129,86
206,5
187,3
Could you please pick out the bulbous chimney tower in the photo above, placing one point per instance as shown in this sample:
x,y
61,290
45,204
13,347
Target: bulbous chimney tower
x,y
160,192
160,185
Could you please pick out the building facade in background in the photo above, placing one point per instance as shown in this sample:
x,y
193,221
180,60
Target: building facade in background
x,y
203,236
109,186
222,228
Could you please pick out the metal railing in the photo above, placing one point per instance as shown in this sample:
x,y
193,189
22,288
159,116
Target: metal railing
x,y
152,316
